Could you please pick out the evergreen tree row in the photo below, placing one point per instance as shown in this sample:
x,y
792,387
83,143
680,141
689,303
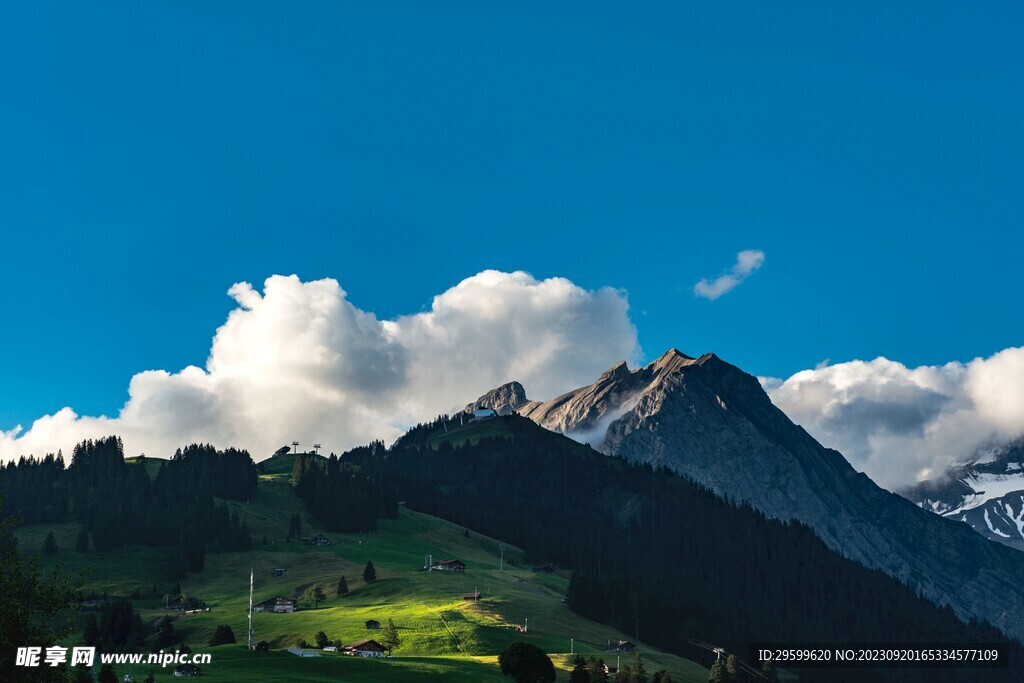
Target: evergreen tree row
x,y
340,493
101,490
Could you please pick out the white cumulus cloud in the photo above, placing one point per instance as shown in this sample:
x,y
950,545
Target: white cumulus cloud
x,y
747,262
300,361
900,424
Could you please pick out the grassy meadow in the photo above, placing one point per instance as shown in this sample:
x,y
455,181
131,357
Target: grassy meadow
x,y
443,636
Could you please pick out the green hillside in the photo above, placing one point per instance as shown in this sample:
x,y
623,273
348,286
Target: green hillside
x,y
279,464
443,636
151,465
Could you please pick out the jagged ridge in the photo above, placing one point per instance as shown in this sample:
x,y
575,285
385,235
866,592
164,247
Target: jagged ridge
x,y
713,423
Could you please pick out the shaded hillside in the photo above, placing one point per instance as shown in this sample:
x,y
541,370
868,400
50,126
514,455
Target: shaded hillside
x,y
444,637
661,557
713,423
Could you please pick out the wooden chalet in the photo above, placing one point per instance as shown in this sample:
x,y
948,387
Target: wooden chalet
x,y
620,646
364,648
276,605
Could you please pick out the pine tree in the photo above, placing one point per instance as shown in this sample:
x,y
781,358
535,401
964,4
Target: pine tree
x,y
321,639
82,541
294,526
369,572
718,674
662,676
731,673
342,586
92,631
315,594
595,667
107,674
579,673
639,673
50,545
389,637
223,635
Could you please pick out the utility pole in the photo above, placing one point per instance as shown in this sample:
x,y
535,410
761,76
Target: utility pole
x,y
316,447
501,562
572,645
250,607
295,447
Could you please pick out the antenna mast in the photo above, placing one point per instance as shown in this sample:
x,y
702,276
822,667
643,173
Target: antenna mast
x,y
250,606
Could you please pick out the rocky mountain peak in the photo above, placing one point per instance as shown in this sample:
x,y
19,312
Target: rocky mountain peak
x,y
617,371
670,362
713,423
504,400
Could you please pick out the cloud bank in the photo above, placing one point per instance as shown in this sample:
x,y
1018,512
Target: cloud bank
x,y
300,362
747,262
901,425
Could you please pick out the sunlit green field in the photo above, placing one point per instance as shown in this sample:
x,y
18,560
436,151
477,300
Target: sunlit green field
x,y
443,636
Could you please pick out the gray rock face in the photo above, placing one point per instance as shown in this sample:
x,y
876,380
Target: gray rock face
x,y
504,400
615,391
713,423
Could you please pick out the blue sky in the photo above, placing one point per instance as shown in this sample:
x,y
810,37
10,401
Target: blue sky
x,y
153,154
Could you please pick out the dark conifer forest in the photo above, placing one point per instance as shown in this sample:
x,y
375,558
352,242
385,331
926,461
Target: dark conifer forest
x,y
664,559
340,494
101,490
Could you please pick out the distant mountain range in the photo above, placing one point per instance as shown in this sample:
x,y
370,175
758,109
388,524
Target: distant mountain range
x,y
987,493
713,423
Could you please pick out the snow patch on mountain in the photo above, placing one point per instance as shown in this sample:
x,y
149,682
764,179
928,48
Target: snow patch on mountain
x,y
988,487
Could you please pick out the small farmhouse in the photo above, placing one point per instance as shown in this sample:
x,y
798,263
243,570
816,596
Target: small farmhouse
x,y
299,652
364,648
186,670
320,539
474,596
448,566
280,571
372,624
620,646
278,605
